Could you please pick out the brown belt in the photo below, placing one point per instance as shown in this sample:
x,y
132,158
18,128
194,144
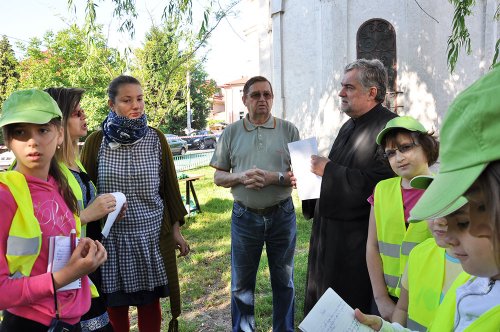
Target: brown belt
x,y
263,211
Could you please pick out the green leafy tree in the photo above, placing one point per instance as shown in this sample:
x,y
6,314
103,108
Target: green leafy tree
x,y
9,69
9,73
64,59
202,90
162,63
460,36
162,67
162,71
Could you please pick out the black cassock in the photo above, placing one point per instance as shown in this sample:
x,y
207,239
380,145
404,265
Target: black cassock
x,y
337,251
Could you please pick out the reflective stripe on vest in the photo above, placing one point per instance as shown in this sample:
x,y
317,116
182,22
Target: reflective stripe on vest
x,y
426,266
394,240
389,249
407,247
414,326
391,281
25,236
18,246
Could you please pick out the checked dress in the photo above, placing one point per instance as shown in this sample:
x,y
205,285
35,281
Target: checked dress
x,y
134,259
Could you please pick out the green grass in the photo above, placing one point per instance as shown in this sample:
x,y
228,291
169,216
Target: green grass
x,y
205,273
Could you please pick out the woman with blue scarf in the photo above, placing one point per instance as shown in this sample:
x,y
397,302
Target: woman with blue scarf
x,y
129,157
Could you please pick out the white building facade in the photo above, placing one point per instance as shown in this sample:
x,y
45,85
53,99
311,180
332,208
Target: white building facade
x,y
305,44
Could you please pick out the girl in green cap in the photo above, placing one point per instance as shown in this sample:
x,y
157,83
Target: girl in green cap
x,y
473,235
409,149
432,267
470,168
36,203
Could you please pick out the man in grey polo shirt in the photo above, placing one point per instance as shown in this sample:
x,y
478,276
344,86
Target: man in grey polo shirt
x,y
252,159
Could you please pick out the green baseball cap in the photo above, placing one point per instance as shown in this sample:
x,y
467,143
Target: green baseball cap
x,y
423,182
470,139
29,106
405,122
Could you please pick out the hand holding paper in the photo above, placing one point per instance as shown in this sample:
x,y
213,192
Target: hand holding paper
x,y
101,206
120,200
308,184
331,313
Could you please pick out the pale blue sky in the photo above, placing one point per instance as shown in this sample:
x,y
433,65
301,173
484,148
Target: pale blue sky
x,y
21,20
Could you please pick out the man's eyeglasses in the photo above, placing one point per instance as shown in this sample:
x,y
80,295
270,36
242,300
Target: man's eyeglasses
x,y
390,153
257,95
78,114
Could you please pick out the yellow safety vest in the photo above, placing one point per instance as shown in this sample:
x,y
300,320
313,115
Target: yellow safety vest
x,y
445,315
75,188
395,242
77,191
25,235
425,283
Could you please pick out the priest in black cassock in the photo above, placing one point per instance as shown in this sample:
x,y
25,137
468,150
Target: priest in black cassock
x,y
337,252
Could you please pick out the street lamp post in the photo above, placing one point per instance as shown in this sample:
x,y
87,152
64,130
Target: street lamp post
x,y
188,102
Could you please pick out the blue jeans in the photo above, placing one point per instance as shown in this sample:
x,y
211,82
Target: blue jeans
x,y
249,232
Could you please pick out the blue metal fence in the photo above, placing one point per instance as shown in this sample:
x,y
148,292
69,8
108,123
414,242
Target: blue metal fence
x,y
182,163
192,160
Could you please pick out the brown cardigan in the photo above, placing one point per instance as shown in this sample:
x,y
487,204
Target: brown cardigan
x,y
174,210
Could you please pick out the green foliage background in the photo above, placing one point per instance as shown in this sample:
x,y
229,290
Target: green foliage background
x,y
9,72
67,59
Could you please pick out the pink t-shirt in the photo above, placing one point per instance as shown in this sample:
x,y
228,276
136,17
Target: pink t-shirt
x,y
410,198
33,297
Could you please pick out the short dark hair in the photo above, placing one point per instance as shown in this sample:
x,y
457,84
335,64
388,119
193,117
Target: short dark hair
x,y
253,80
428,142
371,73
119,81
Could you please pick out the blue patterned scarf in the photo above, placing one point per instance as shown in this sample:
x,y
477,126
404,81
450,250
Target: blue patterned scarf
x,y
120,130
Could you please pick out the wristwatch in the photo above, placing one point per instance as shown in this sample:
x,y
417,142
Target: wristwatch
x,y
281,178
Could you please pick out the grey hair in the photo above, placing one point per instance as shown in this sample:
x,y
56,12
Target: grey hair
x,y
372,73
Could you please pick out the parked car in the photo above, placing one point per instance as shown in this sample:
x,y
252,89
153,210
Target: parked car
x,y
6,159
177,144
201,139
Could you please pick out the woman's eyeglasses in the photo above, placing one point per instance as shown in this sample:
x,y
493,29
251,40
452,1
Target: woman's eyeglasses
x,y
257,95
78,114
390,153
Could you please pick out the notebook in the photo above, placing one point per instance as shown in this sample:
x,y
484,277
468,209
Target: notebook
x,y
59,254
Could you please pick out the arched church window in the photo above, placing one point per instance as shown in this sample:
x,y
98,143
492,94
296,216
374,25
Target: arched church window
x,y
376,39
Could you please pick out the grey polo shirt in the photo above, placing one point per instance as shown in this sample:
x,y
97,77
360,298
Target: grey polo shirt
x,y
244,145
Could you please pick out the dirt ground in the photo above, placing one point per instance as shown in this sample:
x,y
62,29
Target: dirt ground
x,y
210,313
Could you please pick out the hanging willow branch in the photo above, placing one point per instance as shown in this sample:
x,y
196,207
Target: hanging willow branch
x,y
460,36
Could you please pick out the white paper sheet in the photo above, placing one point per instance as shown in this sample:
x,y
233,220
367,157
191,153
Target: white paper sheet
x,y
331,313
120,200
308,183
59,255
